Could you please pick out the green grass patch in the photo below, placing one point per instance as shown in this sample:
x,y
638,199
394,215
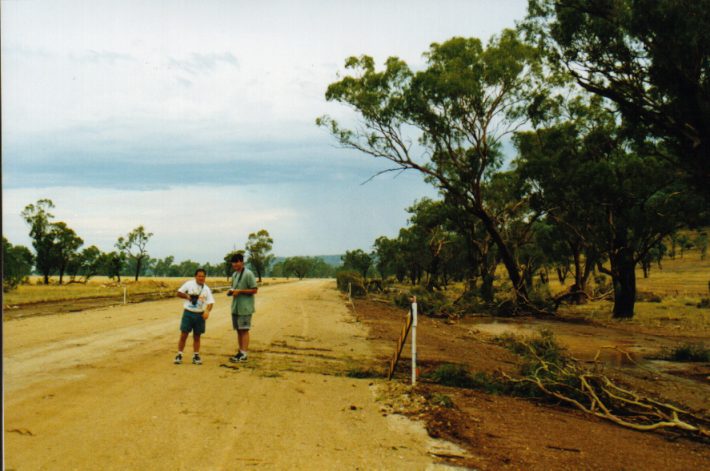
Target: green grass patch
x,y
458,376
689,352
363,373
442,400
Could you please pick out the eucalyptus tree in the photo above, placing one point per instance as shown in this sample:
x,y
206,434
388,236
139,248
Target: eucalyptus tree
x,y
113,264
258,246
66,244
17,261
619,198
389,258
357,260
43,239
650,57
299,266
86,264
165,266
134,247
457,109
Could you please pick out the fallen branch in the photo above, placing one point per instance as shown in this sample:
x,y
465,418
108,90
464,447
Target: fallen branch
x,y
590,391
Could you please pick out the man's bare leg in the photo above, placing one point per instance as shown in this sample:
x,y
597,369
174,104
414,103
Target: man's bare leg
x,y
183,340
243,336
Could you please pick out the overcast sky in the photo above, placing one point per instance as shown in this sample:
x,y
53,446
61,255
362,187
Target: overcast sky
x,y
196,118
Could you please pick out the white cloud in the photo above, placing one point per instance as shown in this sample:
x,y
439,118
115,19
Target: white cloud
x,y
203,223
186,83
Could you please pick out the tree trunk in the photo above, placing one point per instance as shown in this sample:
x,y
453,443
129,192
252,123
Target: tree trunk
x,y
561,275
487,287
138,268
433,269
624,278
506,257
577,289
589,262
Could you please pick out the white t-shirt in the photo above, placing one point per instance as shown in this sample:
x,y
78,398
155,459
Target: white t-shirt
x,y
204,296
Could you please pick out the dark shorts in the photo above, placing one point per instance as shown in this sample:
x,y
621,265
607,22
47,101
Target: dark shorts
x,y
241,322
192,322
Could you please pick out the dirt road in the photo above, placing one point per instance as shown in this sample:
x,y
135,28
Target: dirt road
x,y
97,390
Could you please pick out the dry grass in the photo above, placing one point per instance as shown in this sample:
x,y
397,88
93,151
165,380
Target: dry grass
x,y
100,287
681,285
103,287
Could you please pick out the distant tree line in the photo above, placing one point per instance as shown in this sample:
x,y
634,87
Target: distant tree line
x,y
303,267
58,252
607,105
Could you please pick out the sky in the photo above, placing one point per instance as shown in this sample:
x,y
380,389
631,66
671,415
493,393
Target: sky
x,y
196,119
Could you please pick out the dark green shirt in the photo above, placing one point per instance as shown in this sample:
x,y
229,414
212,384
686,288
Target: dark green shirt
x,y
243,305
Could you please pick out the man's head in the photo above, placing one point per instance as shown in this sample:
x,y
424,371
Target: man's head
x,y
200,275
238,261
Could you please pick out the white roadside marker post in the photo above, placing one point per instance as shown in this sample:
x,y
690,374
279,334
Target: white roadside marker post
x,y
414,340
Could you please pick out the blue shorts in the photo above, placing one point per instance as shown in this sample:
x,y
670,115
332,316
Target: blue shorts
x,y
192,322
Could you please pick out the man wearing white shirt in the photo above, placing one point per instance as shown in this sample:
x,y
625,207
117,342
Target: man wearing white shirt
x,y
198,304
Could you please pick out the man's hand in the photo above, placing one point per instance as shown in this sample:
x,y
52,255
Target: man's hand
x,y
206,315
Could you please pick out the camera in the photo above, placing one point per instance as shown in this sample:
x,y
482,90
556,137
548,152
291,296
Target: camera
x,y
194,298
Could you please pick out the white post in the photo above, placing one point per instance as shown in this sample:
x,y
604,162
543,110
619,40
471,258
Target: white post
x,y
124,294
414,340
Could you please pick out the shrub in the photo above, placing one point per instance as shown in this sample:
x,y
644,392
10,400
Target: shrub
x,y
648,297
695,352
352,278
541,297
429,303
542,346
458,376
363,373
602,284
442,400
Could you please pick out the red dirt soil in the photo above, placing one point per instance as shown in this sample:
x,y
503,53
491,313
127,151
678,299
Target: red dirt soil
x,y
502,432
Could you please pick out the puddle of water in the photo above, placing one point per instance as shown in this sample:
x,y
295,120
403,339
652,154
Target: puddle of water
x,y
581,342
500,328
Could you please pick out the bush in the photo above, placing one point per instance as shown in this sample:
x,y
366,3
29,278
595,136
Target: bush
x,y
429,303
542,346
695,352
442,400
364,373
352,278
541,297
17,263
648,297
602,284
506,308
458,376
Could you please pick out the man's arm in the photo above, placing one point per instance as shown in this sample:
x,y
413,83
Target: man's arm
x,y
237,292
181,292
249,291
208,309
